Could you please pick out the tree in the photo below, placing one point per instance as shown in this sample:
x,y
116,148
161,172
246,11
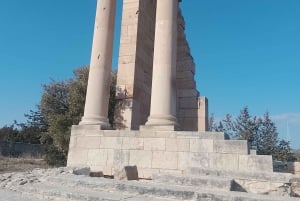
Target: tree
x,y
8,133
267,135
261,134
244,126
284,152
62,106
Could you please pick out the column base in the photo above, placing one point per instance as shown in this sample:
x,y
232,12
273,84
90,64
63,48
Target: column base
x,y
161,123
96,121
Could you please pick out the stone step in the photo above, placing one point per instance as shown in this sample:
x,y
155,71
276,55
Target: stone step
x,y
201,135
133,191
148,188
78,188
208,182
238,196
258,176
46,191
163,190
280,184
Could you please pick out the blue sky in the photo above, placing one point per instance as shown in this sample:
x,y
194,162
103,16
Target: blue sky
x,y
247,53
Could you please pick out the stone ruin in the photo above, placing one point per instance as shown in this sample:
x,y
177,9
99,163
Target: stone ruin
x,y
161,121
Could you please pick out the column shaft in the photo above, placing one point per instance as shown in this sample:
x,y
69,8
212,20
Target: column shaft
x,y
163,96
97,97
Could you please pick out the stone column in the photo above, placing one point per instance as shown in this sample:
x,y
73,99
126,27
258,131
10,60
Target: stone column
x,y
163,95
97,97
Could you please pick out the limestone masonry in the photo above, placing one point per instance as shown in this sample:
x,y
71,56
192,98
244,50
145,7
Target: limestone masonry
x,y
161,119
67,184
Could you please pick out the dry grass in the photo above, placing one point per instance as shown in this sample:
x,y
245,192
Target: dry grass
x,y
8,164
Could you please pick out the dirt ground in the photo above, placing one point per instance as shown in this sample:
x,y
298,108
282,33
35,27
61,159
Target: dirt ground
x,y
8,164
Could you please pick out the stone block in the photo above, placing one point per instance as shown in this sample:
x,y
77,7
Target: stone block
x,y
88,142
211,135
120,158
155,144
188,123
215,183
96,174
77,157
186,84
188,159
111,142
231,146
81,171
97,157
84,129
294,167
261,187
155,134
133,143
187,93
174,144
201,145
224,161
72,144
188,113
188,103
165,160
185,75
127,173
260,163
140,158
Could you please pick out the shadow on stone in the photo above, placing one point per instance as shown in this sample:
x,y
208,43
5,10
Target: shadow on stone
x,y
237,187
96,174
127,173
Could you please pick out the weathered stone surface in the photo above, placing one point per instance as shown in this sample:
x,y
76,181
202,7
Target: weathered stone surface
x,y
295,186
294,167
231,146
255,162
136,61
96,174
223,184
127,173
60,184
163,150
81,171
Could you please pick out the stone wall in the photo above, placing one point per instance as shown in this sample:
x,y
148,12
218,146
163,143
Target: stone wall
x,y
135,70
21,149
164,151
135,63
294,167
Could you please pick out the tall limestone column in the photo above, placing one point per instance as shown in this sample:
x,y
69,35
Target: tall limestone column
x,y
97,97
163,95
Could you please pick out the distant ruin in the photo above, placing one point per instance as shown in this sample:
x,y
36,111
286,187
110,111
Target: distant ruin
x,y
162,120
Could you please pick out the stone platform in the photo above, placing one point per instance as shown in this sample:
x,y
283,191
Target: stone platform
x,y
62,185
109,151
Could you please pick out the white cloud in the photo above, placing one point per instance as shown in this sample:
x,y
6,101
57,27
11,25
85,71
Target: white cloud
x,y
288,125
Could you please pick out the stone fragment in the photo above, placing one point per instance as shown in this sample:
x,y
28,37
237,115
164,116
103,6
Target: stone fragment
x,y
80,171
127,173
96,174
